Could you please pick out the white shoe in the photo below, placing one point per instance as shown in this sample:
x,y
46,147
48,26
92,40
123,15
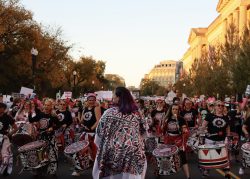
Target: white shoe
x,y
241,171
76,174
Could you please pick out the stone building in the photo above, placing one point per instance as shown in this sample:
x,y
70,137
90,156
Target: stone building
x,y
235,12
164,73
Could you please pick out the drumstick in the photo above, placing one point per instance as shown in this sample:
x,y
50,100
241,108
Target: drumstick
x,y
183,142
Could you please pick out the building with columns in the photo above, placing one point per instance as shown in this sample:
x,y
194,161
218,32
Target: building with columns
x,y
235,12
164,73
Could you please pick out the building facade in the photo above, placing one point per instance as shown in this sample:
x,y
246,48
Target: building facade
x,y
164,73
235,12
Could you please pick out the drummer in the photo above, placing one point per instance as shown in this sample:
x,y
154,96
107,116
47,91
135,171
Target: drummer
x,y
47,122
23,113
66,120
189,114
218,129
6,156
158,115
90,119
246,130
175,130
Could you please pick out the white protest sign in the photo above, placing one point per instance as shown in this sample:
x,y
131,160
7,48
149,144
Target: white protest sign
x,y
66,95
26,91
107,95
6,98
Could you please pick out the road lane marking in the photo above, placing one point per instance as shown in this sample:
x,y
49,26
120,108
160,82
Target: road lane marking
x,y
220,172
233,175
230,173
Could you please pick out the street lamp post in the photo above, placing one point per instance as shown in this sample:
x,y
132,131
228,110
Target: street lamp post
x,y
93,85
74,75
34,53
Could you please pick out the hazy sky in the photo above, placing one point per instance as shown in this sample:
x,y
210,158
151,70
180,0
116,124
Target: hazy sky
x,y
130,35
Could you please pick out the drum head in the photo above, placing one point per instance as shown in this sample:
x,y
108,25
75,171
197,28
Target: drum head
x,y
165,150
76,147
32,146
246,147
21,139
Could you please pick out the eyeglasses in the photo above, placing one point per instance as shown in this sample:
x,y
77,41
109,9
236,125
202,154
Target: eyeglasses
x,y
220,105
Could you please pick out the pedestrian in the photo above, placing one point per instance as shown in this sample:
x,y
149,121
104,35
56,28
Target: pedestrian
x,y
119,137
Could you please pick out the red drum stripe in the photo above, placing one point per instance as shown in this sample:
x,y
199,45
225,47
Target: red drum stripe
x,y
213,160
214,166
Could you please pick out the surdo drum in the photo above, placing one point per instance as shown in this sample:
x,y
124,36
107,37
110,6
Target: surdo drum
x,y
213,156
34,154
150,144
78,152
168,159
246,154
25,134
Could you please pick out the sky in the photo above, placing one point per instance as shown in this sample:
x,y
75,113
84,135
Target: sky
x,y
131,36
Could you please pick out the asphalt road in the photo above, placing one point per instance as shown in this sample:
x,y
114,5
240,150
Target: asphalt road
x,y
65,170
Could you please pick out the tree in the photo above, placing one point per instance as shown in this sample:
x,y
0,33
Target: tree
x,y
241,67
149,88
18,34
114,81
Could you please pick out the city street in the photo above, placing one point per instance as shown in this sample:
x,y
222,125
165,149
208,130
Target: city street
x,y
65,170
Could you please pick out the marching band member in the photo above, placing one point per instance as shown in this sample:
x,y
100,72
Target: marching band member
x,y
157,116
141,107
6,156
218,129
202,111
189,114
65,120
47,122
14,107
246,131
90,119
22,114
175,131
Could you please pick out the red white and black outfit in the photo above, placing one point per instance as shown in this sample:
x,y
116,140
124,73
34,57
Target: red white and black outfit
x,y
48,121
218,129
190,116
173,135
65,118
157,116
6,160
